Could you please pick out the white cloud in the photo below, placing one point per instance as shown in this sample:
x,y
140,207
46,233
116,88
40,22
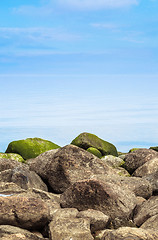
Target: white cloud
x,y
110,26
96,5
36,35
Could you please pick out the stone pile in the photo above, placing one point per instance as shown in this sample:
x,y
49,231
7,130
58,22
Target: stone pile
x,y
70,194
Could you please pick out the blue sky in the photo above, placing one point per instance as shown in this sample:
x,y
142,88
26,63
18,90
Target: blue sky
x,y
69,66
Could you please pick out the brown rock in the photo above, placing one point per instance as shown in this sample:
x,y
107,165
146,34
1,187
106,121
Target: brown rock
x,y
151,223
8,232
98,220
106,197
147,168
70,228
129,233
137,158
23,177
10,164
146,210
70,164
153,179
23,211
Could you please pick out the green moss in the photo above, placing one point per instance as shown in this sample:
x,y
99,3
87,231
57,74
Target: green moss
x,y
13,156
30,147
133,149
154,148
86,140
95,152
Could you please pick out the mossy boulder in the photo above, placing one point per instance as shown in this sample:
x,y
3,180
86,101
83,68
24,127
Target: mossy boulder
x,y
30,147
133,149
87,140
95,152
154,148
13,156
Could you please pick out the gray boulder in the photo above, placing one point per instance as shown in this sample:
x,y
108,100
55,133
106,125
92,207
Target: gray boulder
x,y
108,198
137,158
146,210
147,168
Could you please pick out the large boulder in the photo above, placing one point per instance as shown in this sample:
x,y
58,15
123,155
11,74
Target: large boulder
x,y
30,147
146,210
24,211
6,163
8,232
137,158
153,179
68,165
87,140
151,223
147,168
106,197
124,233
13,156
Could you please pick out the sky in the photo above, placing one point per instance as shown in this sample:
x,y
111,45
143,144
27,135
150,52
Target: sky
x,y
73,66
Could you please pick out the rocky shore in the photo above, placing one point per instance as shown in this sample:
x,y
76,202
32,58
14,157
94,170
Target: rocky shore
x,y
83,191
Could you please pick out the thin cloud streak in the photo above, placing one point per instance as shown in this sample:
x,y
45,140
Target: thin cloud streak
x,y
97,5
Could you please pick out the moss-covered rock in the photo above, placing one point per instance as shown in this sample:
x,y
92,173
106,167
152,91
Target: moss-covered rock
x,y
87,140
30,147
154,148
13,156
133,149
95,152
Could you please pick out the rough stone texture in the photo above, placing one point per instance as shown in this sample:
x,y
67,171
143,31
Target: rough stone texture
x,y
121,172
153,179
70,164
25,212
23,177
98,220
10,164
139,186
113,161
10,188
149,167
108,198
70,228
39,163
86,140
30,147
127,233
137,158
146,210
8,232
151,223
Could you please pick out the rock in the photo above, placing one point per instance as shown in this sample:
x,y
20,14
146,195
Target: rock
x,y
151,223
23,178
106,197
146,210
94,151
10,164
70,228
124,233
154,148
30,147
113,161
153,179
137,158
25,212
86,140
13,156
121,172
39,163
68,165
8,232
147,168
98,220
134,149
8,188
139,186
